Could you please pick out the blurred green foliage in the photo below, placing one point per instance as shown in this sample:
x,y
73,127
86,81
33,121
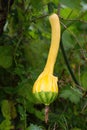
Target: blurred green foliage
x,y
24,47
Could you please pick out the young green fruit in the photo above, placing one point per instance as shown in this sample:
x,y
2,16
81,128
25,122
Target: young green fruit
x,y
45,88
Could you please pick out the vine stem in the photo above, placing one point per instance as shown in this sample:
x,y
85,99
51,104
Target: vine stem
x,y
67,63
46,113
66,59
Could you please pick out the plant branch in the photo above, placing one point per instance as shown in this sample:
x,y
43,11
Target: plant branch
x,y
40,17
74,20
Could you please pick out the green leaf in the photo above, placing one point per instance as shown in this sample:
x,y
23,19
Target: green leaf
x,y
68,41
37,113
20,14
34,127
26,91
37,4
54,1
6,125
75,128
65,12
5,108
70,3
34,57
73,94
68,13
6,56
84,80
22,112
30,108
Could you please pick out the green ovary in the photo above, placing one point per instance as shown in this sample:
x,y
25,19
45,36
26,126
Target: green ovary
x,y
46,97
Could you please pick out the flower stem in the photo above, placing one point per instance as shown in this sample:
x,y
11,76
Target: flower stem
x,y
46,113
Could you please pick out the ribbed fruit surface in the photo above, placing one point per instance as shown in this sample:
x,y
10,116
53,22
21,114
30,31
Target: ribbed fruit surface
x,y
46,97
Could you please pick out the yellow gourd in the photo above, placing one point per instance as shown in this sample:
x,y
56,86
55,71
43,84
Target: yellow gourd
x,y
45,87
